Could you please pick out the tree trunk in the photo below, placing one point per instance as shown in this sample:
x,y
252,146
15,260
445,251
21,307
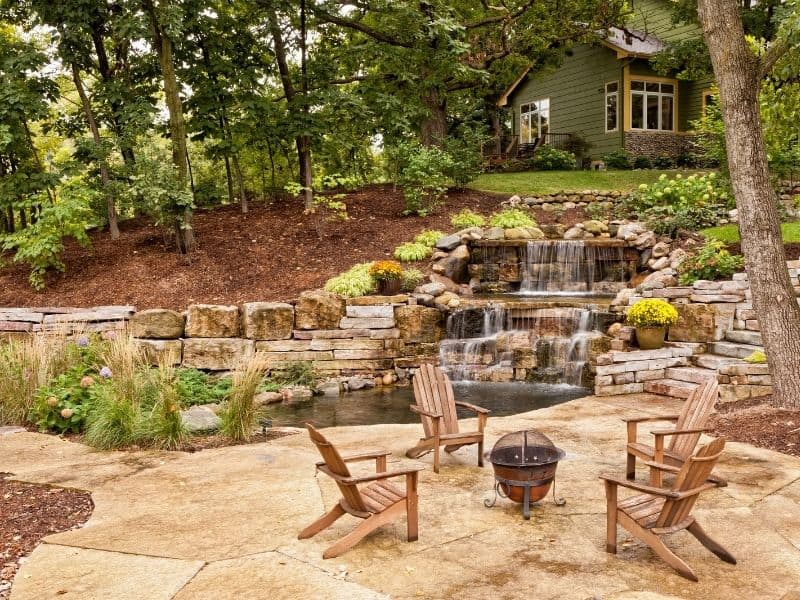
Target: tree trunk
x,y
177,126
434,126
237,169
111,207
738,75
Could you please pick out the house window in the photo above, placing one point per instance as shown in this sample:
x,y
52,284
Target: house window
x,y
652,105
612,112
709,99
534,121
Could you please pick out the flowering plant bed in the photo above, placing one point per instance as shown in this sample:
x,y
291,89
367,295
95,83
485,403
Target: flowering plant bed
x,y
652,313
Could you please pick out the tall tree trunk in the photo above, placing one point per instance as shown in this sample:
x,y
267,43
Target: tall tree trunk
x,y
240,183
229,177
177,126
738,73
111,207
434,126
302,142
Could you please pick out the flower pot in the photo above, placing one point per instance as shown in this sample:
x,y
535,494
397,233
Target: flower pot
x,y
389,287
650,338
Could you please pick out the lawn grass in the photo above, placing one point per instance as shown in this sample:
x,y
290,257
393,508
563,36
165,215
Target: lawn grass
x,y
730,233
531,183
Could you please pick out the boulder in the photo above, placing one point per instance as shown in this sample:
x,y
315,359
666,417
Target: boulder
x,y
676,257
461,252
264,398
448,242
269,320
700,323
433,289
162,351
359,383
215,354
630,231
200,418
453,268
573,233
329,388
623,296
660,249
524,233
212,321
157,324
318,309
420,324
494,233
595,227
660,263
645,240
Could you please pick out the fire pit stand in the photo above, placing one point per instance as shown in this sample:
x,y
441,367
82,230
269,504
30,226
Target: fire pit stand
x,y
524,468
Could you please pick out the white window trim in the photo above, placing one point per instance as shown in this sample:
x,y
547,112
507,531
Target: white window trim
x,y
644,93
538,112
605,107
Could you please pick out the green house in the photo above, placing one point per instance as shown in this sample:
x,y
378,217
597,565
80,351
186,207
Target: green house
x,y
609,95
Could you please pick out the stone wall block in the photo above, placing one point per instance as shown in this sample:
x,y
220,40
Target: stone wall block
x,y
367,323
318,309
419,324
384,311
215,354
157,323
157,351
268,320
212,321
700,323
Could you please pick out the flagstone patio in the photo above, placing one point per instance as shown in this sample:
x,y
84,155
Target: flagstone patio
x,y
223,523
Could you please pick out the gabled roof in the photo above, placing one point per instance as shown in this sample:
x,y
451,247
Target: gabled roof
x,y
625,42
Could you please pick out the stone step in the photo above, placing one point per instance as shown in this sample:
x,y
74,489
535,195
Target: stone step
x,y
744,337
690,374
670,387
714,361
732,349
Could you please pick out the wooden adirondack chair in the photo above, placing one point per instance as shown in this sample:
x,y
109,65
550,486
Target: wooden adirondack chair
x,y
378,503
436,406
658,512
689,424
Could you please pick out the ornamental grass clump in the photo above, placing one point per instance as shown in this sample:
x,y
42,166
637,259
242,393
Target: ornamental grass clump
x,y
240,415
355,282
412,252
652,312
163,427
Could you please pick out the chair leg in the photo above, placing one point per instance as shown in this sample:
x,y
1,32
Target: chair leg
x,y
611,518
367,526
630,467
436,459
667,555
480,453
323,522
710,543
423,447
412,507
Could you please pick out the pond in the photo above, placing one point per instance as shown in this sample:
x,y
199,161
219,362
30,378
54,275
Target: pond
x,y
390,405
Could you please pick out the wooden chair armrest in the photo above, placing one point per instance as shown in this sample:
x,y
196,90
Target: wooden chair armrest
x,y
639,487
668,432
379,476
708,485
366,455
661,466
644,419
416,409
473,408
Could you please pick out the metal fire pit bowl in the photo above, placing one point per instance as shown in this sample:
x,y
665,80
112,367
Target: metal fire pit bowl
x,y
524,468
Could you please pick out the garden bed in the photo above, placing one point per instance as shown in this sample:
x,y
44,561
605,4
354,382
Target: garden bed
x,y
29,513
757,422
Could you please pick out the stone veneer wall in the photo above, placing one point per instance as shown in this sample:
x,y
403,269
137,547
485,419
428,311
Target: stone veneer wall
x,y
658,143
371,334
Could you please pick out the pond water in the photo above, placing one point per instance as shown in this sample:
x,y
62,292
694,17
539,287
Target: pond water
x,y
390,405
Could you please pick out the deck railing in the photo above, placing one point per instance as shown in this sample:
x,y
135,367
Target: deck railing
x,y
510,146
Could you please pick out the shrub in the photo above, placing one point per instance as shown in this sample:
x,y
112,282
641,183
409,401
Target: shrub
x,y
757,357
164,426
410,279
196,387
429,237
511,217
619,159
412,252
62,405
423,176
466,218
652,312
240,415
465,160
711,261
354,282
642,162
299,372
385,270
548,158
664,162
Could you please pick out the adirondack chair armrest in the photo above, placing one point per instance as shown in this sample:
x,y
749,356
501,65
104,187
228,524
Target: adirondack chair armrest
x,y
708,485
661,466
669,432
379,476
639,487
366,455
476,409
651,418
416,409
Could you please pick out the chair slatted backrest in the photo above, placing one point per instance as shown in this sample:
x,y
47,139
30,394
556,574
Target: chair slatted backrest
x,y
694,415
693,474
333,460
434,393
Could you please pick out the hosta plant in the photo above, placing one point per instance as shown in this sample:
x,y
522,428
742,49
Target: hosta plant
x,y
467,218
357,281
512,217
412,252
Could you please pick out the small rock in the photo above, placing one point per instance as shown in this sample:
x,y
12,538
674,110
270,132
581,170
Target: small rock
x,y
661,263
448,242
264,398
329,388
359,383
595,227
660,249
573,233
388,379
433,289
200,418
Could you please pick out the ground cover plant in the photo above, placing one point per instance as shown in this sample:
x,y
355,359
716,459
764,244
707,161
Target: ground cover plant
x,y
711,261
512,217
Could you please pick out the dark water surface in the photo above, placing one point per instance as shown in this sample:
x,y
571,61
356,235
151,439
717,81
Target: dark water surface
x,y
390,405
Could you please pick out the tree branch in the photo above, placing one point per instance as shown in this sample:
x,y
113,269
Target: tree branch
x,y
774,53
508,16
358,26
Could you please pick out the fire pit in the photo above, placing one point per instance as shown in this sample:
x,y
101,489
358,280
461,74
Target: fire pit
x,y
524,468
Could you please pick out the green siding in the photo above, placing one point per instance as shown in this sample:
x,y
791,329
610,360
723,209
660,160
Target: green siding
x,y
655,17
577,97
692,101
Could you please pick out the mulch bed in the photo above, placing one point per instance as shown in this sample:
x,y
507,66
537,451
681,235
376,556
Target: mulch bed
x,y
272,253
30,512
759,423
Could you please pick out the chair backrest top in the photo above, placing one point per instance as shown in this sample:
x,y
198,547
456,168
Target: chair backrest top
x,y
693,474
333,460
434,393
694,415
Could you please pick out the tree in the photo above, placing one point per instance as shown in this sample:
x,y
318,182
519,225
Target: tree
x,y
739,72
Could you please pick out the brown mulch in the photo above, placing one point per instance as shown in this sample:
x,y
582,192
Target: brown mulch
x,y
30,512
271,253
759,423
792,250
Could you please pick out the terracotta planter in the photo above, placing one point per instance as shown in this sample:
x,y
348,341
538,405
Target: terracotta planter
x,y
650,338
389,287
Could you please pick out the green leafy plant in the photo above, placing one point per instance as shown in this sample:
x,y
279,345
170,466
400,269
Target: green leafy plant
x,y
163,426
412,252
548,158
652,312
429,237
423,176
467,218
711,261
240,415
300,372
410,279
196,387
757,357
642,162
619,159
511,217
354,282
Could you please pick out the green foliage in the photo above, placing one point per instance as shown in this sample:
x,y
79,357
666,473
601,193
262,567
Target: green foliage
x,y
114,421
411,278
642,162
663,162
196,387
652,312
429,237
354,282
619,159
41,244
423,176
512,217
711,261
163,427
466,162
548,158
730,233
412,252
299,372
467,218
758,357
240,415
